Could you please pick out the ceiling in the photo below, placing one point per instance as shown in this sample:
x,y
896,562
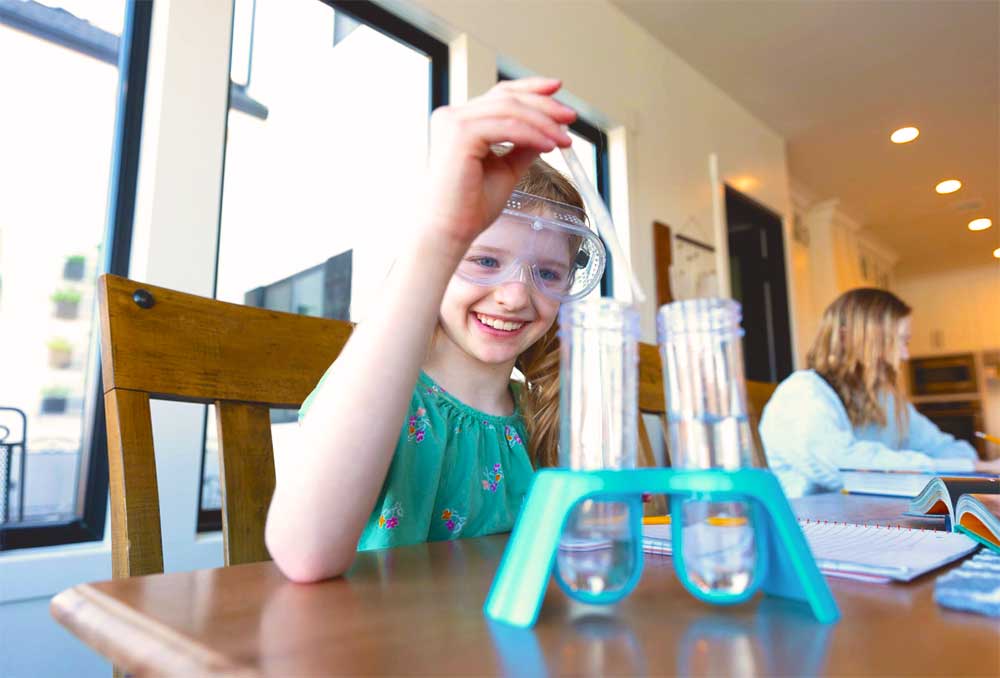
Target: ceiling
x,y
835,78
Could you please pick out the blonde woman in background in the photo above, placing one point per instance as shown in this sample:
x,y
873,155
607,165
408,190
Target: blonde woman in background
x,y
848,409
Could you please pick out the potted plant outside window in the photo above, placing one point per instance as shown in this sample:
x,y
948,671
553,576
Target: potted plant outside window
x,y
67,303
74,267
55,399
60,353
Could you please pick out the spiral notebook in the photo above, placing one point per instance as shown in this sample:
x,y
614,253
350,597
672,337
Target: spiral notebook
x,y
874,553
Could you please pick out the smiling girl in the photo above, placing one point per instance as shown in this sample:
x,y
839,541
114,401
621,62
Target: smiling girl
x,y
417,432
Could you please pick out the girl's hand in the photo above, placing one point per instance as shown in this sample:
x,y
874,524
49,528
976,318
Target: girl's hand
x,y
469,184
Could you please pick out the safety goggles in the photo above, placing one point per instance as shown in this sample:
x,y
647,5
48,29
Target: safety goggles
x,y
542,241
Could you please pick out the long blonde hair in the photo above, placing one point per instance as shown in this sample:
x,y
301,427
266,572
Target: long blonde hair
x,y
857,351
539,364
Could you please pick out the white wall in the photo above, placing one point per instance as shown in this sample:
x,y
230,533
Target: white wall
x,y
957,310
623,80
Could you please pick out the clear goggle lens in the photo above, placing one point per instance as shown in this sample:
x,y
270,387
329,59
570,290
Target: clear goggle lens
x,y
541,240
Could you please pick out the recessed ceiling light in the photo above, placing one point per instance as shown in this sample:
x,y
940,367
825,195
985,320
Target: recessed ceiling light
x,y
996,253
980,224
948,186
904,135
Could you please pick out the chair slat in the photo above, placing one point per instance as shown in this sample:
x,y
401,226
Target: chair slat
x,y
758,393
246,461
186,347
650,380
136,542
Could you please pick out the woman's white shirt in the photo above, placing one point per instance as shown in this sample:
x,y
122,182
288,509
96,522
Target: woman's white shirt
x,y
808,437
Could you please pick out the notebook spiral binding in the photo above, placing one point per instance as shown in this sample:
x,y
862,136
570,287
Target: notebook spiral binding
x,y
876,525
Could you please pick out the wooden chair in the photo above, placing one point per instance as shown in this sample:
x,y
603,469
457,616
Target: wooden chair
x,y
161,344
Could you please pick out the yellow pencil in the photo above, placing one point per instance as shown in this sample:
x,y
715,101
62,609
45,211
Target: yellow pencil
x,y
988,438
726,521
717,521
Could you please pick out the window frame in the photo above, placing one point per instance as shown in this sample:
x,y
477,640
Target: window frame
x,y
395,28
599,138
92,487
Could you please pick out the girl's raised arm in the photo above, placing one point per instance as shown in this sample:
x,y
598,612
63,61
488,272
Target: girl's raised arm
x,y
323,500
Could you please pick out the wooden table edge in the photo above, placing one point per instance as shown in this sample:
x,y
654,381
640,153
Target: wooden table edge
x,y
82,609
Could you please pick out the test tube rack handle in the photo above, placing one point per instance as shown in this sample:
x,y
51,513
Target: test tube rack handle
x,y
785,566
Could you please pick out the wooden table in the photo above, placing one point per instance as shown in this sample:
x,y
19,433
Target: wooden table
x,y
418,610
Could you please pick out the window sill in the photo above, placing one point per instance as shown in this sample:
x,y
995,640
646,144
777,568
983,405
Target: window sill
x,y
45,571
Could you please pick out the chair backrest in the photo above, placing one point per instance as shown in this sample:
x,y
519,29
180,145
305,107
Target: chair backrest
x,y
165,345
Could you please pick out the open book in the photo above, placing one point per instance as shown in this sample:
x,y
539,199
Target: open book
x,y
978,515
941,496
873,553
883,483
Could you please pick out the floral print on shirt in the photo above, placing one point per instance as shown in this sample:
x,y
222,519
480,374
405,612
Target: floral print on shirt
x,y
512,436
417,425
492,477
389,518
453,521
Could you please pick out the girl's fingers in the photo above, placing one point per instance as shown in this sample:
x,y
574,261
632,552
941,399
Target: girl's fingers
x,y
540,99
506,129
559,112
537,85
511,108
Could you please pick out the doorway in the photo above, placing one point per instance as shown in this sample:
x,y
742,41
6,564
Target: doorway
x,y
757,274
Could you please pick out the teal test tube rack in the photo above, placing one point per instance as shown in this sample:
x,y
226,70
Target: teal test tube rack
x,y
785,566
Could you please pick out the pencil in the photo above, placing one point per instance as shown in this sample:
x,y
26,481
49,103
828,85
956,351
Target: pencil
x,y
656,520
988,438
717,521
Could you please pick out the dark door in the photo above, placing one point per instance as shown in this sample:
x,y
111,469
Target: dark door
x,y
757,273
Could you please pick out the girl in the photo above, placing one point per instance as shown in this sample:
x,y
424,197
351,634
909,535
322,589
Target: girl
x,y
436,354
848,410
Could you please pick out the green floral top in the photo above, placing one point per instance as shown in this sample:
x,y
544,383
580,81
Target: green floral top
x,y
456,472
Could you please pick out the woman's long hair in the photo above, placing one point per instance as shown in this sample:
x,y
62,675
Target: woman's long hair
x,y
857,351
540,362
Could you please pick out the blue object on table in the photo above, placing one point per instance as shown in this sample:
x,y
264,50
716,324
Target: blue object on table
x,y
973,587
785,565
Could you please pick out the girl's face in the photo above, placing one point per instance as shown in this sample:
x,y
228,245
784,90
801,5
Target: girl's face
x,y
903,331
495,324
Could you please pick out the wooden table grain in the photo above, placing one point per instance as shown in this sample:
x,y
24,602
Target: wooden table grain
x,y
418,610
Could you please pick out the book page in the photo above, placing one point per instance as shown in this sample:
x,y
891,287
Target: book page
x,y
847,548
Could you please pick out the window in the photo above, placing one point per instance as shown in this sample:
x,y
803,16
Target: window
x,y
326,138
70,144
